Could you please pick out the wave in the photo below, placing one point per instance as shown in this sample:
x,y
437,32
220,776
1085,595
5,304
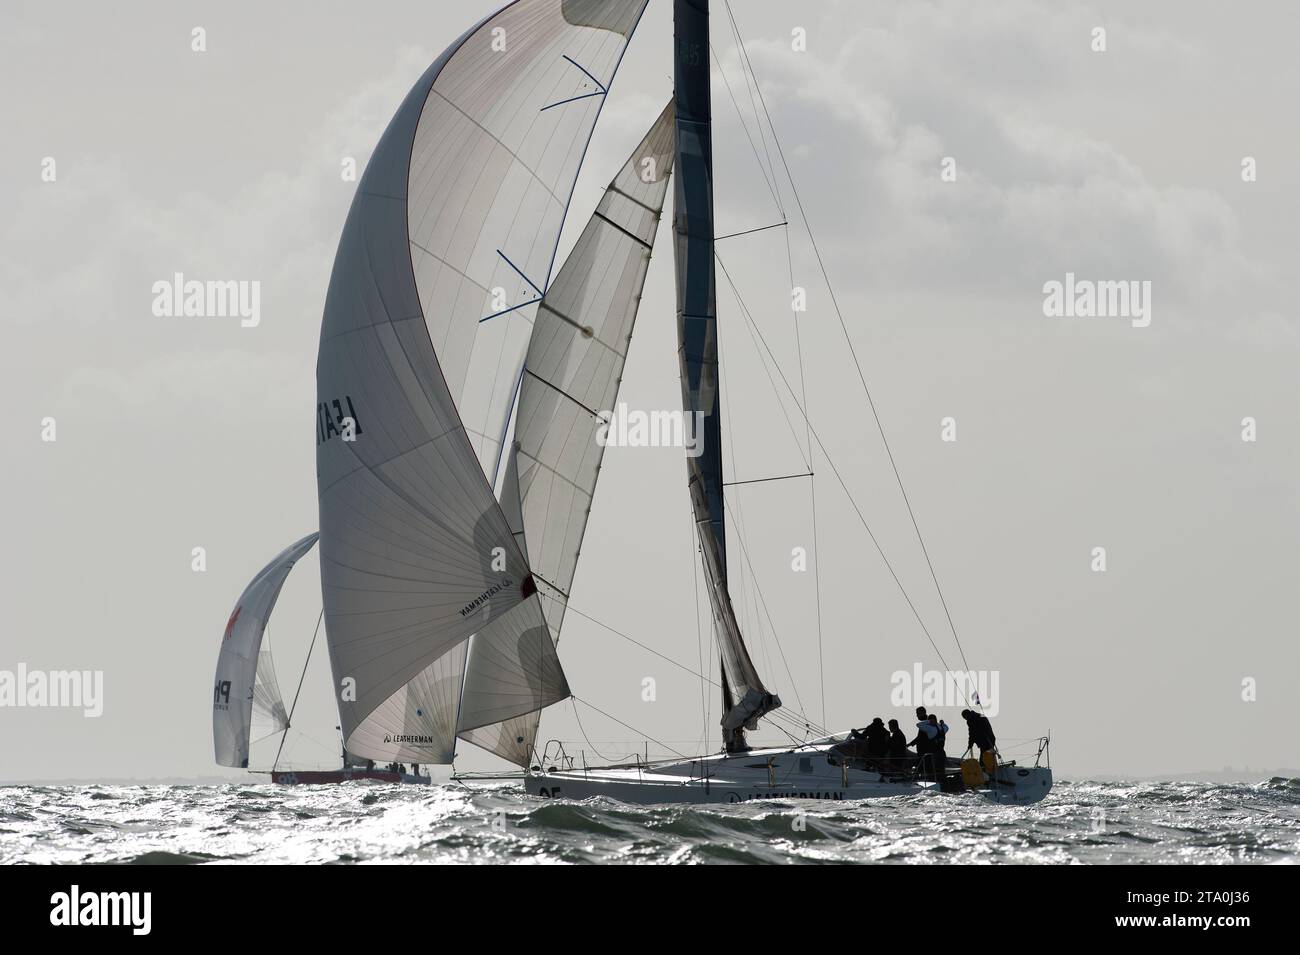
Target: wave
x,y
1085,821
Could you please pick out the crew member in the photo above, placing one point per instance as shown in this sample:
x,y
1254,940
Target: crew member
x,y
980,733
877,738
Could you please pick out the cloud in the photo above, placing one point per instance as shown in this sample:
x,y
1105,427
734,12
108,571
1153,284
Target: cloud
x,y
84,251
1039,190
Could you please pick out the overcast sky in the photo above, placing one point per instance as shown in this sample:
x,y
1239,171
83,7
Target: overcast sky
x,y
1072,433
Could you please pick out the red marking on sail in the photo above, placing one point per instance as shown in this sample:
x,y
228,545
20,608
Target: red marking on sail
x,y
230,625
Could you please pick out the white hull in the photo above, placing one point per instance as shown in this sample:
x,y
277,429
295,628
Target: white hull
x,y
784,774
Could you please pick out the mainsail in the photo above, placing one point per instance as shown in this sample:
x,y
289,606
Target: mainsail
x,y
570,382
246,702
447,248
745,699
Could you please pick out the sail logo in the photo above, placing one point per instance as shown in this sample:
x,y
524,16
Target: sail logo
x,y
221,695
1084,298
734,796
182,298
484,597
54,689
408,739
133,910
634,428
333,422
932,688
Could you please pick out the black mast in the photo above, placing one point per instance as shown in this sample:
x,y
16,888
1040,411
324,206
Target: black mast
x,y
744,698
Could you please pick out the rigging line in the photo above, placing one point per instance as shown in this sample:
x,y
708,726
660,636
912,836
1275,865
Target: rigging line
x,y
762,228
632,640
779,477
843,484
852,352
739,517
771,184
581,729
793,714
749,86
628,726
713,654
699,634
729,451
776,639
807,463
629,639
812,491
301,736
301,676
804,726
794,739
817,563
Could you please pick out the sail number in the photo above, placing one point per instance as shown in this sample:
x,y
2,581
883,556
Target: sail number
x,y
333,421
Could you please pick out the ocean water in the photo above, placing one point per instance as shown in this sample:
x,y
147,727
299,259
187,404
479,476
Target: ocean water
x,y
1080,822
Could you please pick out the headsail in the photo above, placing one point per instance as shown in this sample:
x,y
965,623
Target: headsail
x,y
246,701
745,698
570,381
447,246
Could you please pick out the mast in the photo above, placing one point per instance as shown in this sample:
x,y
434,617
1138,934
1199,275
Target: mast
x,y
744,697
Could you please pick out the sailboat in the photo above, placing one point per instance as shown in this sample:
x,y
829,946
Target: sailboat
x,y
462,389
247,705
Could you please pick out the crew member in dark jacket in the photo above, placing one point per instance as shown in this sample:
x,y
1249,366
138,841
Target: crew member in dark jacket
x,y
899,756
877,738
980,732
897,741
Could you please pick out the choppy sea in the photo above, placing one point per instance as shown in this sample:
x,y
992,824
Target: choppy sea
x,y
1080,822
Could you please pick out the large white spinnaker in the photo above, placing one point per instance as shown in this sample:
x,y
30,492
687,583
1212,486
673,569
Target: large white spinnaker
x,y
444,256
569,387
246,702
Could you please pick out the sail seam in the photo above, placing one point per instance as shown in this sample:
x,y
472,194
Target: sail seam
x,y
363,465
372,325
619,192
558,390
631,235
441,261
434,91
558,590
585,329
542,464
